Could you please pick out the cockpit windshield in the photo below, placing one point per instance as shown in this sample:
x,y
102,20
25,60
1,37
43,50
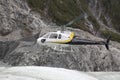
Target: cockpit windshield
x,y
46,36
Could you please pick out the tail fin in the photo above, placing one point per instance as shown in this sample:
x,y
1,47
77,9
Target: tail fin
x,y
107,42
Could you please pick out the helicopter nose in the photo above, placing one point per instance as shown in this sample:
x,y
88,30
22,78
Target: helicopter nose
x,y
38,40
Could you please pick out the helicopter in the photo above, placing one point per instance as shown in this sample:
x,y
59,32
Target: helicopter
x,y
69,37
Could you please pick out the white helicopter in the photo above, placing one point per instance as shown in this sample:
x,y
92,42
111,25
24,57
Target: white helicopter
x,y
68,37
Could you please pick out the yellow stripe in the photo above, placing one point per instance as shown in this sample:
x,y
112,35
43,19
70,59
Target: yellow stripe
x,y
66,41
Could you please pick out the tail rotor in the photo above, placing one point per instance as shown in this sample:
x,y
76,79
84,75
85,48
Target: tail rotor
x,y
107,42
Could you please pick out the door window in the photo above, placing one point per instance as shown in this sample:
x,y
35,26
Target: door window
x,y
59,37
53,36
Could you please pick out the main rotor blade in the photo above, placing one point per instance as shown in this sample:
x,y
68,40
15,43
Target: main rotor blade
x,y
75,20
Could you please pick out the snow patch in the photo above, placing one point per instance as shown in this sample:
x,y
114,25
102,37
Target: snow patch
x,y
42,73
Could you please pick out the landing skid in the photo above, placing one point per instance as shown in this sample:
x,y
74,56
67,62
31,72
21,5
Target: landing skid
x,y
63,48
58,47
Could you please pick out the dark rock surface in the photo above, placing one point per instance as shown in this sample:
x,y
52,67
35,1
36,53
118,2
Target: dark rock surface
x,y
7,47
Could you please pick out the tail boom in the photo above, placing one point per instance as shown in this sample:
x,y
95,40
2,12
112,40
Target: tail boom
x,y
90,42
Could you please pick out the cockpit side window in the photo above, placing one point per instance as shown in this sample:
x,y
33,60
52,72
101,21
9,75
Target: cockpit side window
x,y
53,36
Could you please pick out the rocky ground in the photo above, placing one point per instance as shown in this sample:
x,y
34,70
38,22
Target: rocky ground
x,y
82,57
20,28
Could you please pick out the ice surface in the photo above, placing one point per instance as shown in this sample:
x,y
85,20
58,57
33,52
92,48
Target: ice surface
x,y
49,73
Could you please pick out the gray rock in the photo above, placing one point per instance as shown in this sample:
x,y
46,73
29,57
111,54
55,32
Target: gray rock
x,y
82,57
18,21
